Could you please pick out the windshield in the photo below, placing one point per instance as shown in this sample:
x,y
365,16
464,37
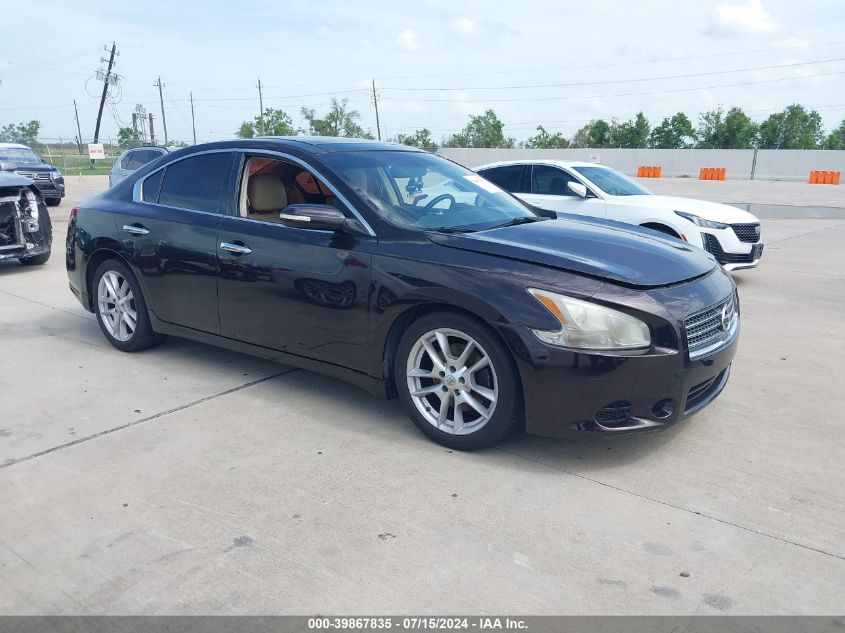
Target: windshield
x,y
426,192
19,156
612,182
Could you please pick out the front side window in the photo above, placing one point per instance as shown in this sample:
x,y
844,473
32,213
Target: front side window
x,y
425,192
508,177
551,181
196,182
612,182
269,185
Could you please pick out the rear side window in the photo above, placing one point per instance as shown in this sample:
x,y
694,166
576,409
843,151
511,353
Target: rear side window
x,y
551,181
151,186
142,157
127,159
195,183
509,177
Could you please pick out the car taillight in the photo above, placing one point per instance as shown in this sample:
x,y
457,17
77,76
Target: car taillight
x,y
73,213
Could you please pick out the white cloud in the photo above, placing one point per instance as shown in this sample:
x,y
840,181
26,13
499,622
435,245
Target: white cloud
x,y
742,17
324,31
464,25
407,39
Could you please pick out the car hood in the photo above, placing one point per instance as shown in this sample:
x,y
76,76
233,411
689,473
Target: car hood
x,y
708,210
617,252
11,179
35,168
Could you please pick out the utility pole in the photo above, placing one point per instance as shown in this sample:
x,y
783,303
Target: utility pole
x,y
261,107
193,124
375,103
161,100
78,129
105,90
152,131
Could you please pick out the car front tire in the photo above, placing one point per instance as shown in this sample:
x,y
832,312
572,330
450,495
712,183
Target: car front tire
x,y
121,309
457,381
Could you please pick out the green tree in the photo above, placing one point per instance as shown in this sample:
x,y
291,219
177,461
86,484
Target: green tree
x,y
674,133
632,133
731,130
274,123
544,140
127,137
484,130
339,121
25,133
836,139
420,138
793,128
595,134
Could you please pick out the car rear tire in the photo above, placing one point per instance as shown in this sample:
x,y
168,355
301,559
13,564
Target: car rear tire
x,y
53,202
121,309
457,381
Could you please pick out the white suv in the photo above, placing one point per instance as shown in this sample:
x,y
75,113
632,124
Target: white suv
x,y
731,235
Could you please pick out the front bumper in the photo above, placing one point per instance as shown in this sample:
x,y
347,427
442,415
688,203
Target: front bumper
x,y
570,393
731,252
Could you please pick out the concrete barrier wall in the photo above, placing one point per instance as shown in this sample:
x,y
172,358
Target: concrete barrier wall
x,y
676,163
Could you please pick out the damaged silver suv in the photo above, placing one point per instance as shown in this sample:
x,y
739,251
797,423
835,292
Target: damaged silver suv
x,y
26,233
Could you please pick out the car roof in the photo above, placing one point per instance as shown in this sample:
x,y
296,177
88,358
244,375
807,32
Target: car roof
x,y
14,146
313,144
541,161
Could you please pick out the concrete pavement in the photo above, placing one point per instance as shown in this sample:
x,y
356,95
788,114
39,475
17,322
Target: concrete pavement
x,y
187,479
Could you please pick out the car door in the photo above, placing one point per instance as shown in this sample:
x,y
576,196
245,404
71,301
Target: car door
x,y
169,235
549,190
296,290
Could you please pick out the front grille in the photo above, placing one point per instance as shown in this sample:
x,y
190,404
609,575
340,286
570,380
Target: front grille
x,y
712,246
702,392
39,176
705,327
747,232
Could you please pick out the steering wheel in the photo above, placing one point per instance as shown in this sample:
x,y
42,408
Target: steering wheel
x,y
441,198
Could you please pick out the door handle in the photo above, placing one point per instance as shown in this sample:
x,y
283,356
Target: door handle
x,y
238,249
135,229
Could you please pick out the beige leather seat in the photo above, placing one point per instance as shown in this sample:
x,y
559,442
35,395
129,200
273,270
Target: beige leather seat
x,y
266,197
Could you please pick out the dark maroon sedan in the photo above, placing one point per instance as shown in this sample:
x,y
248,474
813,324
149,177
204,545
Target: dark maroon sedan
x,y
410,276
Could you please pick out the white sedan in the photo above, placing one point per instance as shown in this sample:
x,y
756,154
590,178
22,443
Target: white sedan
x,y
730,234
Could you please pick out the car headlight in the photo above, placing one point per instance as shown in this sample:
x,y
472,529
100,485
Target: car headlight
x,y
56,174
707,224
588,325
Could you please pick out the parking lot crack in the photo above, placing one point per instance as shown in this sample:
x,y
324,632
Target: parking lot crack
x,y
676,507
150,418
47,305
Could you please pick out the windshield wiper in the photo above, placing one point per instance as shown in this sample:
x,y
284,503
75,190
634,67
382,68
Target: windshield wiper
x,y
518,221
454,229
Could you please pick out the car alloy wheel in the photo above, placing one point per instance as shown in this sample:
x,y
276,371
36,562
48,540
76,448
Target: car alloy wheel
x,y
116,304
452,381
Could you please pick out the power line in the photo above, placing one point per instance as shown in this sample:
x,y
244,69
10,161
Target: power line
x,y
620,81
613,64
623,94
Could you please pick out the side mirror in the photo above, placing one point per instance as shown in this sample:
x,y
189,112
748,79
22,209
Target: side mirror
x,y
319,217
577,188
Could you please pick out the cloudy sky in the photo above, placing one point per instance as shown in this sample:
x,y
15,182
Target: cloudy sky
x,y
434,61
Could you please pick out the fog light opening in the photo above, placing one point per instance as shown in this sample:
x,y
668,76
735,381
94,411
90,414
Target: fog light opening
x,y
614,414
663,409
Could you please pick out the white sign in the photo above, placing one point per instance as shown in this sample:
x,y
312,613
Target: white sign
x,y
595,158
96,151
